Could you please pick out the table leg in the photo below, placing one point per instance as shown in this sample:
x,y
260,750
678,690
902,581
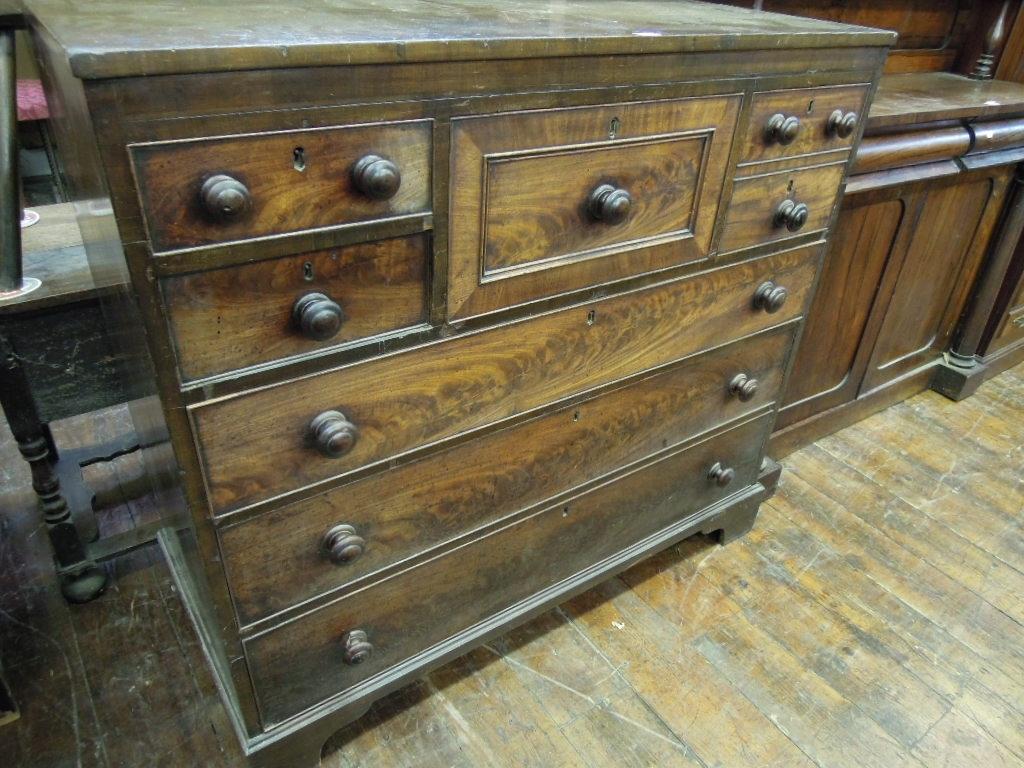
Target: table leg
x,y
81,580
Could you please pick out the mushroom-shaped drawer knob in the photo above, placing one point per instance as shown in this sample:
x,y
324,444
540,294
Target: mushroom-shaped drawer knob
x,y
342,544
317,316
841,123
609,204
743,387
770,297
333,434
781,129
791,215
721,475
225,197
355,647
376,177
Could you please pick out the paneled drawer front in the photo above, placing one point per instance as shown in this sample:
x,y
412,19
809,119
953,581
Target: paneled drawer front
x,y
280,558
298,664
775,206
215,190
239,316
803,120
260,444
556,200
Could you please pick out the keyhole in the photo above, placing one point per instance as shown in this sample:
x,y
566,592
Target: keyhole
x,y
576,416
789,187
613,128
565,511
307,271
810,106
299,159
591,317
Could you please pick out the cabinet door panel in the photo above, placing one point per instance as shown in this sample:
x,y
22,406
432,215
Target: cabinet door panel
x,y
824,373
928,294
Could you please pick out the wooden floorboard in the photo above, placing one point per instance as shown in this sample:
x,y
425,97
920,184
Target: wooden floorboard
x,y
874,617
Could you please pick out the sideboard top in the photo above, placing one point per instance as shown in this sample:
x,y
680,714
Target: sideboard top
x,y
121,38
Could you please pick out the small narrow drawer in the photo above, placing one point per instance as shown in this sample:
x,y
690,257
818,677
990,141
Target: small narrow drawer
x,y
214,190
327,542
231,318
258,445
549,201
499,575
802,121
775,206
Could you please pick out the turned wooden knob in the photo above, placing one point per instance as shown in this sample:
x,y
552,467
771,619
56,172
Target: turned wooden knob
x,y
376,177
357,648
342,544
225,197
318,316
721,475
743,387
791,215
770,297
841,123
781,129
609,204
333,434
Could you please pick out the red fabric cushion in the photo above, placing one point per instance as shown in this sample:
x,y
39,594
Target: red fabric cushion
x,y
31,101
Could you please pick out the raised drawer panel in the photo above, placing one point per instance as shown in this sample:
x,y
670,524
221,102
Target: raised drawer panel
x,y
300,663
257,445
757,214
290,181
239,316
803,120
277,559
550,201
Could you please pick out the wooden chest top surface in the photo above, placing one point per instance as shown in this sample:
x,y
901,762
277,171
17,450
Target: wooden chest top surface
x,y
107,38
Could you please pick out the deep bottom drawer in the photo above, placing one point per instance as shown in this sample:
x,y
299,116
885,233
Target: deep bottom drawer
x,y
277,559
300,663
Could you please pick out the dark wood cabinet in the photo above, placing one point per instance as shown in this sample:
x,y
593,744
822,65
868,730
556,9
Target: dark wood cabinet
x,y
896,279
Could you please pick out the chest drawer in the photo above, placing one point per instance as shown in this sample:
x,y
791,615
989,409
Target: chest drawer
x,y
549,201
261,444
800,121
214,190
363,634
775,206
239,316
329,541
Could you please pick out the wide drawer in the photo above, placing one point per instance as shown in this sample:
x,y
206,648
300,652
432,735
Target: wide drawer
x,y
775,206
296,665
803,120
261,444
215,190
239,316
550,201
282,558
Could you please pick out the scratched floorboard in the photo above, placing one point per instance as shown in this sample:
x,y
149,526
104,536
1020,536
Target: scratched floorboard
x,y
873,617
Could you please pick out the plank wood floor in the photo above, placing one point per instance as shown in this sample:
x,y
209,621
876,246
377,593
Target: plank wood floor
x,y
873,617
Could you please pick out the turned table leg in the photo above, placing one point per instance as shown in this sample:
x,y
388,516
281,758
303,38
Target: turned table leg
x,y
80,579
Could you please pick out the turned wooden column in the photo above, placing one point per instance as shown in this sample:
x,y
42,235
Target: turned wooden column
x,y
985,64
961,371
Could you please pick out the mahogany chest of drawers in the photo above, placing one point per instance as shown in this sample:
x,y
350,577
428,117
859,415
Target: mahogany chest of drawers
x,y
451,310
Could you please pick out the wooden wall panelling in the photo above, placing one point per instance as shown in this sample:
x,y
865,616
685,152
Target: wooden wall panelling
x,y
931,32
